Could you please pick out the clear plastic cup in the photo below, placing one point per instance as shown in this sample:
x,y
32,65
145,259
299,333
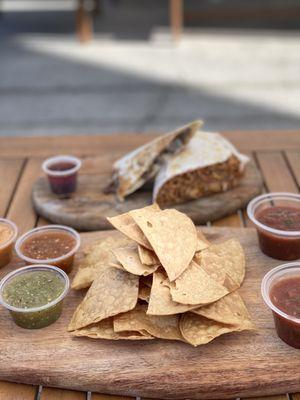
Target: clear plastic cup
x,y
276,243
6,247
287,326
65,261
36,317
62,174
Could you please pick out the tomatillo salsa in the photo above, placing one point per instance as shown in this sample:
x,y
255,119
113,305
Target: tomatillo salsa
x,y
29,292
285,219
285,295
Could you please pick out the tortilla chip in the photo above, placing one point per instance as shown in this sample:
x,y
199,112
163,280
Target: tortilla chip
x,y
125,224
225,262
228,310
144,292
162,327
128,257
198,330
195,286
172,235
105,330
202,242
112,292
97,258
147,257
160,302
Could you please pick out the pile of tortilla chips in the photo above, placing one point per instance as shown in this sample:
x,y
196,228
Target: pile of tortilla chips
x,y
160,279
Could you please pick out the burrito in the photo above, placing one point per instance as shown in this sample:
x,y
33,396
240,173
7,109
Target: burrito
x,y
142,164
207,164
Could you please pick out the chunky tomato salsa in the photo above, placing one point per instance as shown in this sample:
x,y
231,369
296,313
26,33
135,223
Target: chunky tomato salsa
x,y
285,295
282,218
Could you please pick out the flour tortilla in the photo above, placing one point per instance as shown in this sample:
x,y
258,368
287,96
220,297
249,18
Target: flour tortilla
x,y
114,291
203,150
172,235
143,163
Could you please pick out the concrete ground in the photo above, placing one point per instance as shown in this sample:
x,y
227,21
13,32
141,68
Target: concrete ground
x,y
132,77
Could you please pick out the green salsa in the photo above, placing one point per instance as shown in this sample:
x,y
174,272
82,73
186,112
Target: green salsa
x,y
34,289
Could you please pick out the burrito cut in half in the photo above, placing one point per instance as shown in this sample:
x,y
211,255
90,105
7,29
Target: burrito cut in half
x,y
207,164
142,164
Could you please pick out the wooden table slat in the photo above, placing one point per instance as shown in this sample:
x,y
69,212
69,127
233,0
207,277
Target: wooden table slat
x,y
10,170
276,172
295,396
277,397
97,396
21,210
17,391
101,144
293,159
61,394
232,220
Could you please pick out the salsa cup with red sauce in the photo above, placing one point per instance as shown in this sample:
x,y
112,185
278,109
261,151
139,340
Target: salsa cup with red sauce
x,y
62,174
281,292
277,220
52,245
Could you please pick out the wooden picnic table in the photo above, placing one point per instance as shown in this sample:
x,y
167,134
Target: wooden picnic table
x,y
277,155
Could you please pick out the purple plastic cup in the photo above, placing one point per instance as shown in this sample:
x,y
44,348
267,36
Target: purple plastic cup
x,y
62,174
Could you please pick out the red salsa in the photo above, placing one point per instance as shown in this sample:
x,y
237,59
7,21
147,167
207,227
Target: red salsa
x,y
285,219
63,184
285,295
50,245
61,166
282,218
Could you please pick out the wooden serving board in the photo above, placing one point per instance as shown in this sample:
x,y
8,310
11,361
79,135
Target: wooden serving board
x,y
88,208
233,365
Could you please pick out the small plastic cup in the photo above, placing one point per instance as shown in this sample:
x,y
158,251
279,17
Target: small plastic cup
x,y
62,174
276,243
36,317
65,262
7,246
287,326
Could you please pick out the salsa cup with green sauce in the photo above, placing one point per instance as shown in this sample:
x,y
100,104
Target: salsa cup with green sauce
x,y
34,295
8,235
276,217
51,244
280,290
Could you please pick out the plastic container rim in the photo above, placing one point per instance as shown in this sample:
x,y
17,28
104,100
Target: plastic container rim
x,y
22,238
271,275
62,158
14,229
